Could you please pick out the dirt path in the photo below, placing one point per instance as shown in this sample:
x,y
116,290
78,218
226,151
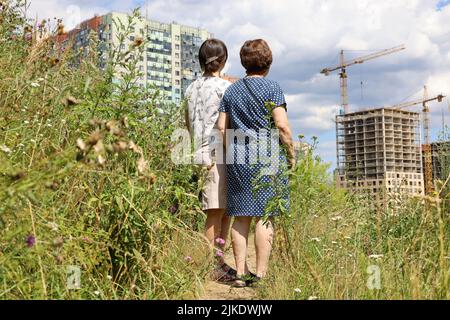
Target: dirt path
x,y
218,291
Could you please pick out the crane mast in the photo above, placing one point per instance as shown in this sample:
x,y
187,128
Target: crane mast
x,y
426,147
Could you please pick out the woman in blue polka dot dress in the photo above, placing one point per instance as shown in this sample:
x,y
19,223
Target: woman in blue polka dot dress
x,y
251,108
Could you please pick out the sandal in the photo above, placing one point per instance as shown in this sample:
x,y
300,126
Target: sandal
x,y
222,276
246,281
226,268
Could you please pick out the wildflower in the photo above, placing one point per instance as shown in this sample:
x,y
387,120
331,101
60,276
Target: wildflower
x,y
101,160
53,226
219,253
32,141
152,178
94,138
142,165
137,42
220,241
315,239
54,61
334,242
336,218
96,292
173,209
26,122
120,146
297,290
31,241
35,85
134,147
109,277
18,175
60,30
188,259
81,145
71,101
376,256
58,242
99,147
5,149
313,298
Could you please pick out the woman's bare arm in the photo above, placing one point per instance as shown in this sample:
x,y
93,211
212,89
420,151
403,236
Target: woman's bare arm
x,y
223,123
281,122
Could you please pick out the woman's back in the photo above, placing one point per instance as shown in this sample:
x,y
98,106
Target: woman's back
x,y
246,103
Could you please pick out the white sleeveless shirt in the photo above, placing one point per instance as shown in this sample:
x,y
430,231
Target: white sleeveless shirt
x,y
203,97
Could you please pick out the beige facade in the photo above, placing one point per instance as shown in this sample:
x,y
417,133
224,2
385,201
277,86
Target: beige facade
x,y
379,152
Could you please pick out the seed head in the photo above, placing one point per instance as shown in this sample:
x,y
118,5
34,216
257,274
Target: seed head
x,y
138,42
94,138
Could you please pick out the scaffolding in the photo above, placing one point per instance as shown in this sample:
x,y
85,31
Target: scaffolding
x,y
379,151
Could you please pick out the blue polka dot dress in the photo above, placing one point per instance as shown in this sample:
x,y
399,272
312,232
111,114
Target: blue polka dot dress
x,y
252,184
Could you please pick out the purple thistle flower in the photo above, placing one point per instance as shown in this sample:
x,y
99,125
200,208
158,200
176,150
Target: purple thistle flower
x,y
220,241
31,241
173,209
188,259
219,253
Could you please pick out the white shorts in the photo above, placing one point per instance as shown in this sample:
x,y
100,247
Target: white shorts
x,y
214,193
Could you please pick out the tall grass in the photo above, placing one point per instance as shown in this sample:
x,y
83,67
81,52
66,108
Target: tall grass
x,y
340,244
85,178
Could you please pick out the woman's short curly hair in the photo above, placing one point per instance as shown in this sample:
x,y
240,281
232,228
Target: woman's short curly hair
x,y
256,56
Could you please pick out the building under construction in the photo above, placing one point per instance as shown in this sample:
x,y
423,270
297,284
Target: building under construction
x,y
379,152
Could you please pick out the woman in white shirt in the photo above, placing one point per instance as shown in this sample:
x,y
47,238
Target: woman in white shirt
x,y
203,98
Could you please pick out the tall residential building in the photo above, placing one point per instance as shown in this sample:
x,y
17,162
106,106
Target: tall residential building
x,y
379,152
170,58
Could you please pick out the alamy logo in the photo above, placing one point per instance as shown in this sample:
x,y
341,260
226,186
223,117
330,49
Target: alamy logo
x,y
374,279
73,277
244,147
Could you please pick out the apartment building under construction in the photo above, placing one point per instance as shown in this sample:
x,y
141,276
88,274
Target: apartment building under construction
x,y
379,152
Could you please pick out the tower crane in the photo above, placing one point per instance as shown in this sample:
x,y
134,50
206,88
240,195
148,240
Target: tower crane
x,y
343,71
428,174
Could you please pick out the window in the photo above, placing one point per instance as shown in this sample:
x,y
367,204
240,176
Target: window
x,y
177,91
177,38
177,73
177,64
177,47
177,82
177,55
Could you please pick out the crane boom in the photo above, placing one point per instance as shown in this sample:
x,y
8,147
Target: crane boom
x,y
343,74
415,102
345,64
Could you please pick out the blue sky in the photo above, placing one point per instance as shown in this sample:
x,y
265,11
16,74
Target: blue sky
x,y
306,36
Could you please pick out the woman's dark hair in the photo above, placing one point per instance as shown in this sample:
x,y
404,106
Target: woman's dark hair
x,y
213,55
256,56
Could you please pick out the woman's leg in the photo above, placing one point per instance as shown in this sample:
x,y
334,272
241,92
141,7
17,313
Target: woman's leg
x,y
225,228
239,237
213,225
263,244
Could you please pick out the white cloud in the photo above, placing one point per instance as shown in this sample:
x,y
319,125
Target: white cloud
x,y
306,36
